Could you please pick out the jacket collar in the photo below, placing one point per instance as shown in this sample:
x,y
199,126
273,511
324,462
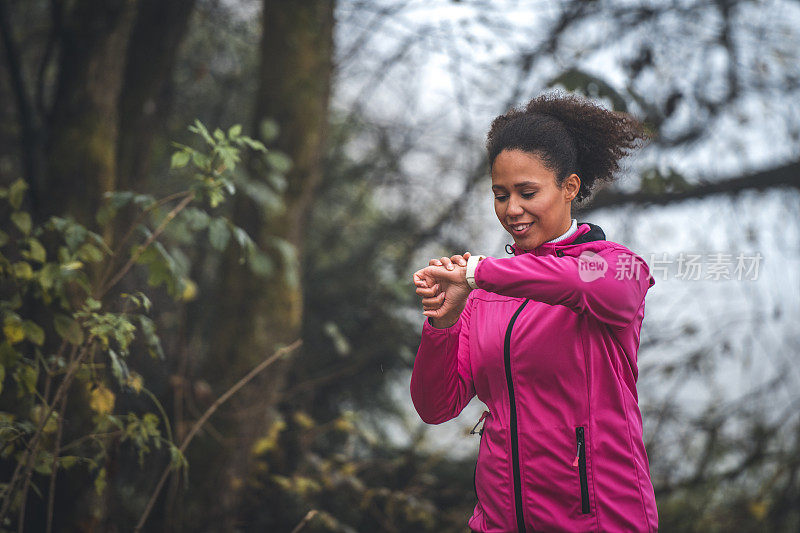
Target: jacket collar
x,y
586,232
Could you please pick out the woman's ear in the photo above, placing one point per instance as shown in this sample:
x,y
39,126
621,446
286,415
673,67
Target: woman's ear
x,y
572,184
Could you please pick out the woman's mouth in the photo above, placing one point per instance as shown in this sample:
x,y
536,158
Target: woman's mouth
x,y
520,229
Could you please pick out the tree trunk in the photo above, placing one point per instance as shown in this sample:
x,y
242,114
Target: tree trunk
x,y
81,148
294,88
154,43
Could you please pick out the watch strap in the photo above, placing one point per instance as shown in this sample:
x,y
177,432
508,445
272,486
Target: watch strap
x,y
472,263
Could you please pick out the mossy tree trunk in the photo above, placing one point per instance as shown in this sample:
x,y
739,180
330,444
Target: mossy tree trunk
x,y
82,134
294,87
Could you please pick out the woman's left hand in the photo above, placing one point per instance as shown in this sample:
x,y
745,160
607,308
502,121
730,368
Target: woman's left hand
x,y
452,282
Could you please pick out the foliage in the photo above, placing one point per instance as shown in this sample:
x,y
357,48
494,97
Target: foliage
x,y
64,356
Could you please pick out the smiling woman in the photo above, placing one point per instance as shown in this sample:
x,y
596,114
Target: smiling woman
x,y
547,339
527,200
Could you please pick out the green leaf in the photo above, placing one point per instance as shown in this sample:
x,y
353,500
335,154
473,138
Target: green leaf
x,y
234,131
197,219
260,263
215,197
22,220
179,159
48,274
90,253
279,161
75,235
219,135
229,186
68,329
3,238
25,375
118,368
92,304
37,251
13,328
252,143
151,337
16,192
100,481
200,129
105,214
242,237
8,355
200,159
44,462
269,129
22,270
67,461
33,332
218,233
229,156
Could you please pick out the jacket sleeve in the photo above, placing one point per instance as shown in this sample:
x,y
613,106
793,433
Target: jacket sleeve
x,y
609,286
441,381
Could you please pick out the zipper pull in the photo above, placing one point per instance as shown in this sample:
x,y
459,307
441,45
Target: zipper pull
x,y
479,421
577,457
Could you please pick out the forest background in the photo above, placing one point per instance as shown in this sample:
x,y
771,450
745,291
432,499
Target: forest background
x,y
212,209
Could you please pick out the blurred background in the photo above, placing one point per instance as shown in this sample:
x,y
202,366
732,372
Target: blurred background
x,y
373,115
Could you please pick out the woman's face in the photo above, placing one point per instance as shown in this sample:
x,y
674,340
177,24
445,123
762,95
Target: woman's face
x,y
527,201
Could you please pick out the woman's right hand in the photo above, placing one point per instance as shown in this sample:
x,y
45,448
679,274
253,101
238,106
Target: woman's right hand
x,y
433,297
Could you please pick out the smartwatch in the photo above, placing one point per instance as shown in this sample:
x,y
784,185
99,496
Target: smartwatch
x,y
472,262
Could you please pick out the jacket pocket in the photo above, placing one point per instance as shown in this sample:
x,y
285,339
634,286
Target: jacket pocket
x,y
580,462
480,432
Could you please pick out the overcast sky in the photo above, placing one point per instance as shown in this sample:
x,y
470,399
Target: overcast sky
x,y
452,80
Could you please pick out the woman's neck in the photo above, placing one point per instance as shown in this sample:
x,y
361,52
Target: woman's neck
x,y
572,229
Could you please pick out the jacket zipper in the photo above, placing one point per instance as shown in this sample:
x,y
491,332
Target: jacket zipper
x,y
513,421
581,460
475,472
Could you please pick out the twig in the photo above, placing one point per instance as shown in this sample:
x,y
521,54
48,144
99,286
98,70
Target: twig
x,y
139,218
140,250
25,465
56,451
210,411
306,519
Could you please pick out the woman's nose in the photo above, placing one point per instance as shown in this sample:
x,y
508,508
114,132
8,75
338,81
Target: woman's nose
x,y
514,208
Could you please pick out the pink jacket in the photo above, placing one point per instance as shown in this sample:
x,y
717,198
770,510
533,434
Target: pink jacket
x,y
548,342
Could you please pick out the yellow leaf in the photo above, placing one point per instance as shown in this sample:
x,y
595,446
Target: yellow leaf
x,y
101,400
342,424
758,509
72,265
14,331
134,381
303,420
270,441
52,422
22,270
189,290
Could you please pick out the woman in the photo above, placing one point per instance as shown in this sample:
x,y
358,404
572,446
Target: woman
x,y
548,338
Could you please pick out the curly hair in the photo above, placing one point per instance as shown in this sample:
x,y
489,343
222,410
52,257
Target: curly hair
x,y
570,134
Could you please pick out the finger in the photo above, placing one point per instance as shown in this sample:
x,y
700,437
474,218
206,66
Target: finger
x,y
433,302
435,262
447,263
466,255
433,313
459,260
428,291
419,281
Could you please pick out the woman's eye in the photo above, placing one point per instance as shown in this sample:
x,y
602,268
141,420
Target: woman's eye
x,y
501,198
528,194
